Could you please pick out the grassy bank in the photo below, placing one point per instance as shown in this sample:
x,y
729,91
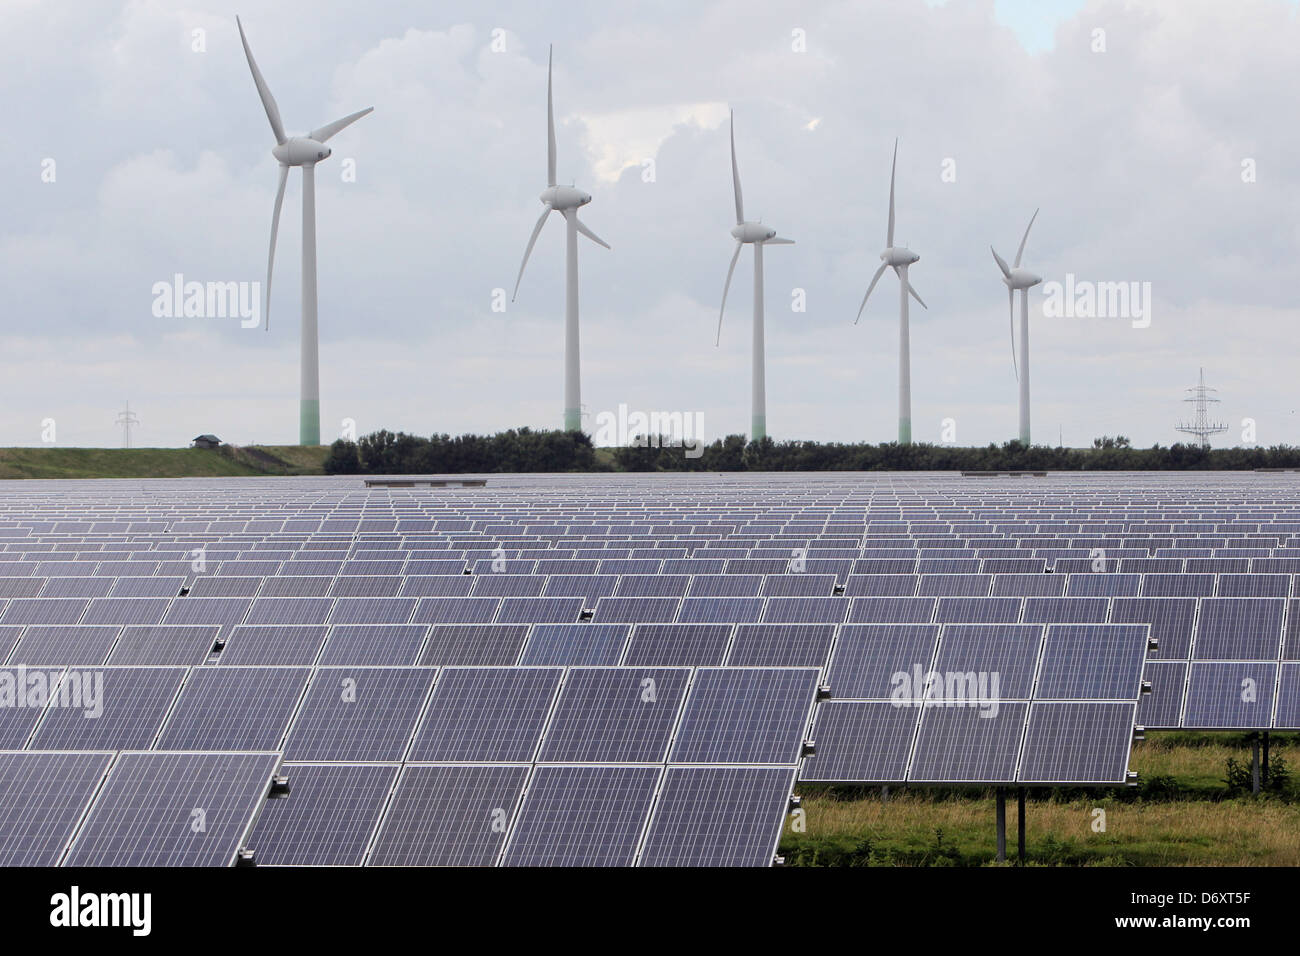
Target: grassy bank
x,y
1183,813
160,462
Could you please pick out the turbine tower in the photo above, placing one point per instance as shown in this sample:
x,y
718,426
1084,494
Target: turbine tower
x,y
565,200
757,235
305,152
1201,426
900,258
1016,278
127,418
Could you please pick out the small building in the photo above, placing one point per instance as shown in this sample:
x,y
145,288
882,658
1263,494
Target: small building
x,y
206,441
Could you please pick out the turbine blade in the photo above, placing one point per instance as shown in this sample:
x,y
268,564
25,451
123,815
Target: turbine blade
x,y
889,236
778,241
874,279
735,174
329,129
1002,263
917,297
1021,251
588,233
270,256
532,241
1011,316
264,91
550,124
725,287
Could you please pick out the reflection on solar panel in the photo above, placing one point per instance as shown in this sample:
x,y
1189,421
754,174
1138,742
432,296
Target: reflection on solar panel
x,y
582,816
448,816
233,708
183,809
109,708
718,816
42,798
615,715
490,714
746,715
327,818
358,713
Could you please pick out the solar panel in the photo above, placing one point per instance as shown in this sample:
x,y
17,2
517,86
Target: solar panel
x,y
780,645
1007,653
492,714
1171,621
1163,706
726,585
745,715
164,644
892,610
327,818
1092,661
200,610
183,809
861,741
1103,585
582,816
1230,696
43,797
233,708
969,741
225,586
805,610
1239,629
978,610
677,645
44,611
456,610
448,816
289,610
147,587
63,645
77,587
508,585
474,644
539,610
380,610
615,715
718,816
720,610
358,713
1288,698
437,585
365,585
868,656
880,585
1077,743
356,645
109,708
575,644
281,644
1066,610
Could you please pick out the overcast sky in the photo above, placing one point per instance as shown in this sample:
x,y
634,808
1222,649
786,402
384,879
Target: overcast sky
x,y
1157,137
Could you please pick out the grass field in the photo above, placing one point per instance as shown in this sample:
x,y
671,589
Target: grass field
x,y
161,462
1182,813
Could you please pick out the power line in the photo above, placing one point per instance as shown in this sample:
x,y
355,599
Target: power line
x,y
1201,426
127,419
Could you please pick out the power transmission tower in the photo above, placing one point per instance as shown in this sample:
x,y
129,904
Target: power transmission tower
x,y
127,418
1201,426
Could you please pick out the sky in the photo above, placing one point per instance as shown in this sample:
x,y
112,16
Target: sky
x,y
1154,137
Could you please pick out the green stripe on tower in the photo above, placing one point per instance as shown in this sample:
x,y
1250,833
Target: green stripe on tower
x,y
573,419
309,421
905,431
758,428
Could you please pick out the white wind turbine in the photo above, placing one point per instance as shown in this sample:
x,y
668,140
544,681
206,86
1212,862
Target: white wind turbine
x,y
900,258
1016,278
306,152
565,200
758,235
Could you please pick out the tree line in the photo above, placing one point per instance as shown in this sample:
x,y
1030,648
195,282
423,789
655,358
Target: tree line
x,y
525,450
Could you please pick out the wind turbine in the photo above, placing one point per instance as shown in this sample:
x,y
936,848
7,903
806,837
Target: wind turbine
x,y
900,258
565,200
758,235
1022,279
306,152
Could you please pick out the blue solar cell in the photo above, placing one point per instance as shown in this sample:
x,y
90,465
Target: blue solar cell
x,y
1001,656
861,742
542,610
164,644
798,585
43,797
955,585
575,644
892,610
289,610
474,644
220,611
1066,610
358,713
64,645
978,610
1239,629
780,645
677,645
805,610
492,714
746,715
234,708
718,816
868,656
1254,585
284,645
456,610
1288,698
880,585
1171,622
972,742
108,708
1177,585
1230,696
720,610
615,715
44,611
392,645
184,809
395,610
582,816
1103,585
1077,743
448,816
1092,661
1162,708
508,585
1029,585
304,586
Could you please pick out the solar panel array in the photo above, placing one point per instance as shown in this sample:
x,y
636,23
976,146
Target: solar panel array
x,y
605,669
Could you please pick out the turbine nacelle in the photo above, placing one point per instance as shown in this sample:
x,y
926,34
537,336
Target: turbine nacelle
x,y
1021,279
564,197
752,232
300,151
899,256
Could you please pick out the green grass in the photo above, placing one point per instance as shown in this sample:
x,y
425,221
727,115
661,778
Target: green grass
x,y
160,462
1182,814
